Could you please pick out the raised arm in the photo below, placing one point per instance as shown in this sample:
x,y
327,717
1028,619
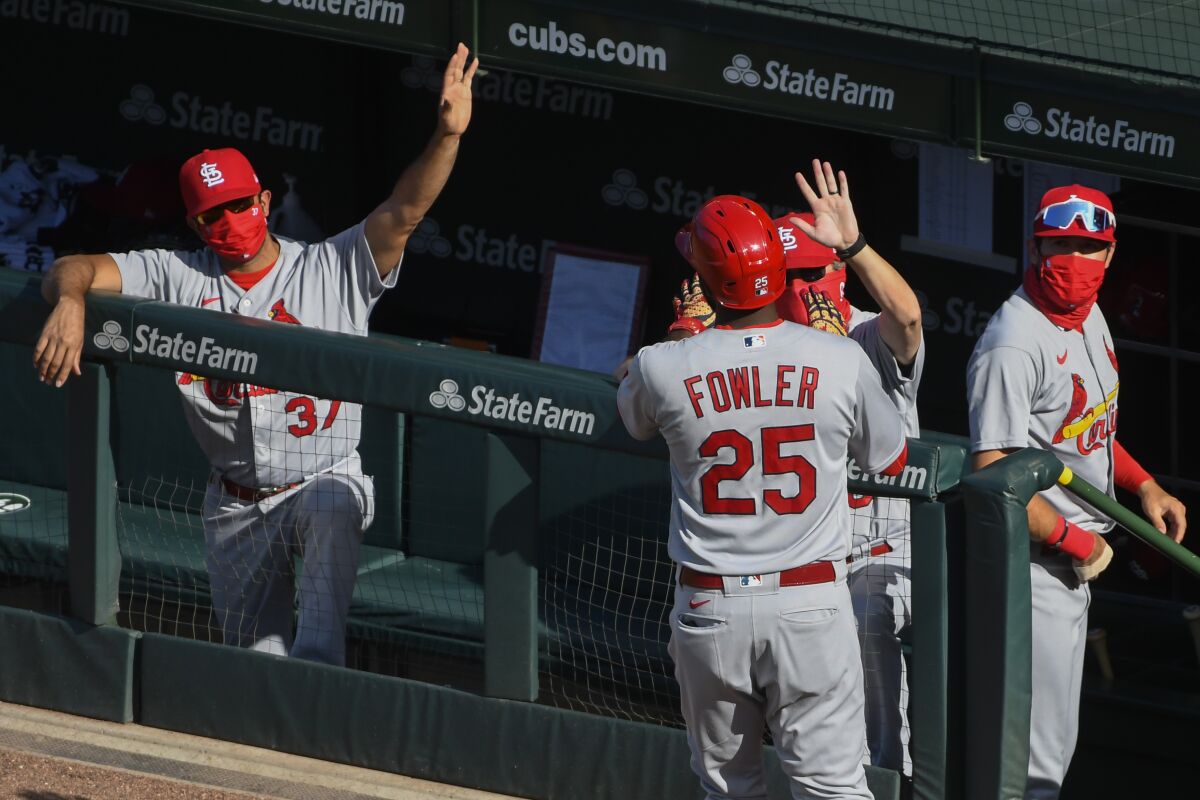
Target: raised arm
x,y
389,226
837,227
57,352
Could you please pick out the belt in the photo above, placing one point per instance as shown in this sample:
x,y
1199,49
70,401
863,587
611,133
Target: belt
x,y
816,572
876,550
248,495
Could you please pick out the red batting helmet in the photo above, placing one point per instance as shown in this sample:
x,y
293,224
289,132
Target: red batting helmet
x,y
732,243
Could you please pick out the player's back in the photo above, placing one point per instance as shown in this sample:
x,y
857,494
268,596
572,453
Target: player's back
x,y
759,422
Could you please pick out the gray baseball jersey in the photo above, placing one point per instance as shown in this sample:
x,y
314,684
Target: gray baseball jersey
x,y
1032,384
875,518
759,422
331,285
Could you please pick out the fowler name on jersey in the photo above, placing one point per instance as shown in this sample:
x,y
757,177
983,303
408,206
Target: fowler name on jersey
x,y
745,387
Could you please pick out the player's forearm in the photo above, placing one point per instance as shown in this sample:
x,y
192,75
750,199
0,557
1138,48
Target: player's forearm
x,y
900,312
422,182
69,278
1042,517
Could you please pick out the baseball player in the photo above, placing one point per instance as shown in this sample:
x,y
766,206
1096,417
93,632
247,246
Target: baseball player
x,y
286,478
880,560
1044,374
758,415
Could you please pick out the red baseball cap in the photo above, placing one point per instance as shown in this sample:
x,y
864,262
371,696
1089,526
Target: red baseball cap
x,y
799,251
215,177
1105,224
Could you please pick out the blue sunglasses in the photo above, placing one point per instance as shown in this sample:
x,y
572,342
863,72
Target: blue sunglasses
x,y
1062,215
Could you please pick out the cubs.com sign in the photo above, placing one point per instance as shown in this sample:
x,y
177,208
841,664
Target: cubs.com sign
x,y
540,413
1116,134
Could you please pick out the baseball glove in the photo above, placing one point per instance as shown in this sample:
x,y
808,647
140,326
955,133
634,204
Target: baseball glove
x,y
823,314
693,314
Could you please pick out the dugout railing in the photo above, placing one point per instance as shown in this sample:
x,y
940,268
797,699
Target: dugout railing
x,y
536,550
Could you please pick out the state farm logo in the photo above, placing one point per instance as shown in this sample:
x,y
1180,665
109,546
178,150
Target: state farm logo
x,y
11,503
741,70
110,338
427,238
522,91
804,81
447,396
1022,119
624,191
423,74
540,411
191,112
473,245
149,341
671,196
141,106
1113,134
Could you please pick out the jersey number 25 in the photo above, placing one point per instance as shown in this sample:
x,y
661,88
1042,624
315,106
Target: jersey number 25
x,y
773,463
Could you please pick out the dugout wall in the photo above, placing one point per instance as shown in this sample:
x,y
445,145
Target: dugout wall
x,y
546,581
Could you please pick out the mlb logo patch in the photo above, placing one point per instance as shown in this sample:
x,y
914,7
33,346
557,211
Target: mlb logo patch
x,y
746,581
757,340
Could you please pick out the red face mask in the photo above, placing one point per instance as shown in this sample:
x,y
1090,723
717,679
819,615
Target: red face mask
x,y
1064,287
237,237
797,299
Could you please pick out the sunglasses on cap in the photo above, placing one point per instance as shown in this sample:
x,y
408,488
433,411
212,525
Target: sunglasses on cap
x,y
209,216
1062,215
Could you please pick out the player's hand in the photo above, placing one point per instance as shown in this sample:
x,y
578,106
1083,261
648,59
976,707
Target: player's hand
x,y
1091,567
454,106
833,214
822,313
691,302
58,349
1165,512
622,369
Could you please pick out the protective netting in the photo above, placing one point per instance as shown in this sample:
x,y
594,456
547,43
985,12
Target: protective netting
x,y
1155,41
607,590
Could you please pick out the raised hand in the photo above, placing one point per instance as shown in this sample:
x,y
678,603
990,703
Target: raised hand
x,y
454,106
833,214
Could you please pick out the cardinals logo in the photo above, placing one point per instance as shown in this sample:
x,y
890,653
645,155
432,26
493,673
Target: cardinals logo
x,y
281,314
1112,357
1089,426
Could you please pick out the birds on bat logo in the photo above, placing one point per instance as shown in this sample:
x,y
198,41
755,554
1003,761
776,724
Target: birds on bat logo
x,y
1089,425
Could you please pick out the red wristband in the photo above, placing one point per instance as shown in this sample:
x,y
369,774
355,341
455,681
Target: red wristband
x,y
1058,534
1127,473
1074,540
687,324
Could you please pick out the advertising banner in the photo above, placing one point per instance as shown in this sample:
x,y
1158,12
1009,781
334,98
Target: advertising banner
x,y
410,25
808,84
1099,133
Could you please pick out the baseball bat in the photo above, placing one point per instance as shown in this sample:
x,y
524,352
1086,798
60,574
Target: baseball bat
x,y
1192,615
1130,521
1098,641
